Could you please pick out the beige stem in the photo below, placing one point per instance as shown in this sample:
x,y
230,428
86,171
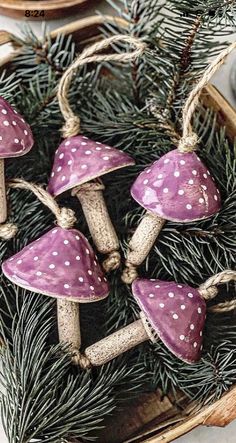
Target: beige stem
x,y
68,323
3,200
100,225
141,243
115,344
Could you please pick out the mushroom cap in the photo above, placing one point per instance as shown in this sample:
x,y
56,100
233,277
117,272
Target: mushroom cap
x,y
16,138
61,264
177,187
177,314
79,160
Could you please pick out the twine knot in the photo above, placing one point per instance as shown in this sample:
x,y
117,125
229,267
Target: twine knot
x,y
112,262
129,274
81,360
208,293
188,143
8,231
71,127
66,218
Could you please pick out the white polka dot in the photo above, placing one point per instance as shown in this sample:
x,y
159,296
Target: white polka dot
x,y
176,174
171,294
98,143
85,138
16,140
179,286
145,182
54,253
0,137
198,159
63,178
54,231
195,344
201,200
188,206
157,286
87,251
105,158
81,279
194,172
89,272
77,257
59,168
149,170
218,191
25,132
200,333
175,316
182,307
92,288
192,327
151,295
77,237
166,160
204,187
67,143
4,111
182,337
205,175
15,111
51,266
182,162
99,279
190,295
36,258
181,192
52,174
66,242
104,278
19,262
22,120
84,166
70,162
61,155
66,286
73,150
88,152
165,190
160,176
199,310
215,197
38,273
6,123
190,182
83,143
208,172
98,149
14,122
67,263
12,258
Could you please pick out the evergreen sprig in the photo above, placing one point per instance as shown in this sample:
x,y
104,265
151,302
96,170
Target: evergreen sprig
x,y
45,398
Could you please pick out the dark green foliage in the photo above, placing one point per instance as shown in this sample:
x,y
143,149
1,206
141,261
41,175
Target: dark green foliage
x,y
46,398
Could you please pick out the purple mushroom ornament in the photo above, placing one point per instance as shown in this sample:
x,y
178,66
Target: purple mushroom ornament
x,y
171,312
60,264
78,165
15,140
177,187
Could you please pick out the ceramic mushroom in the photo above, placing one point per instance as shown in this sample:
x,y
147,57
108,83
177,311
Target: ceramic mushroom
x,y
15,140
78,165
60,264
177,187
171,312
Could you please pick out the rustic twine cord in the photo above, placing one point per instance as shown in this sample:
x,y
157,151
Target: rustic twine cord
x,y
72,122
8,231
208,290
189,139
65,216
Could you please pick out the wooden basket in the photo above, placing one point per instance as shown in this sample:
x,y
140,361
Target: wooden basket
x,y
154,418
42,9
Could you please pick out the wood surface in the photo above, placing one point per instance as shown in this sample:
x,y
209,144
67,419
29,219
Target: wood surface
x,y
153,418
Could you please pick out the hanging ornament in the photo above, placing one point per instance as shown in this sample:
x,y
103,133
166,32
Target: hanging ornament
x,y
177,187
60,264
16,140
171,312
79,162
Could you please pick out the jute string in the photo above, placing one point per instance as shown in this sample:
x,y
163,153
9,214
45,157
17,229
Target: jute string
x,y
72,121
189,139
65,217
208,290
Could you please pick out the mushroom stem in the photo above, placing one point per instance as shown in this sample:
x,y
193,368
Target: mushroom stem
x,y
140,244
101,228
3,200
117,343
68,323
